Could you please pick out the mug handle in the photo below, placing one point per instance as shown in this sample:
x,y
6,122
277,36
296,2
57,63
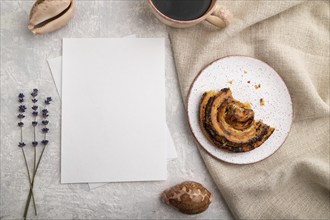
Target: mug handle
x,y
220,17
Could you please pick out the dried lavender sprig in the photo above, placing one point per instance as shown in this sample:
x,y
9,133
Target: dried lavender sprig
x,y
34,94
44,143
21,144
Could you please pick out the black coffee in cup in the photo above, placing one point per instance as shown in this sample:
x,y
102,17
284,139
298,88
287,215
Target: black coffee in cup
x,y
182,10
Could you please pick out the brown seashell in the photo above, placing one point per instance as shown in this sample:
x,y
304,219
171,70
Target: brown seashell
x,y
49,15
188,197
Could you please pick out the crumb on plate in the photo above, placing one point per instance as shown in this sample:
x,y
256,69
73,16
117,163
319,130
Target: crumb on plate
x,y
230,81
262,101
257,86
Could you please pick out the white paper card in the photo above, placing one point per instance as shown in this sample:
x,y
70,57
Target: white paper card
x,y
113,110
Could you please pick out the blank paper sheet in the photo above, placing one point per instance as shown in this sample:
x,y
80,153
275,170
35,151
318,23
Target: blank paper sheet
x,y
113,110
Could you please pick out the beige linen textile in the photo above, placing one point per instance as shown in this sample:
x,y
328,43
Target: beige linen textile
x,y
292,37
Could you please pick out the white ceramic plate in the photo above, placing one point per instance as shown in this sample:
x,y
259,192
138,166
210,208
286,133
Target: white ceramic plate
x,y
239,70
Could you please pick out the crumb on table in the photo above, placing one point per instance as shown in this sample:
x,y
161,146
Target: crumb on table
x,y
262,101
230,81
245,72
257,86
248,81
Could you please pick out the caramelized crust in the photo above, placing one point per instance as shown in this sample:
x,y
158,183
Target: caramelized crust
x,y
229,124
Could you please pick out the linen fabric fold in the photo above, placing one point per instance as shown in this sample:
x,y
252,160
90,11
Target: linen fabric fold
x,y
293,38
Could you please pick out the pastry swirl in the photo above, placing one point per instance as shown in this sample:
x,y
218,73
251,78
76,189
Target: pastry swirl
x,y
229,124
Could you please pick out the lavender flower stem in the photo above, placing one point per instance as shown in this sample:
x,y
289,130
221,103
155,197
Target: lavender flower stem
x,y
35,159
34,164
28,172
20,120
30,192
30,183
34,150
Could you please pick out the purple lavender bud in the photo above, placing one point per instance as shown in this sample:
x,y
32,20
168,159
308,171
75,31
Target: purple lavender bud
x,y
34,100
48,100
34,123
45,113
45,122
20,116
21,108
34,143
45,130
34,93
35,113
20,100
20,124
44,142
21,144
34,107
21,95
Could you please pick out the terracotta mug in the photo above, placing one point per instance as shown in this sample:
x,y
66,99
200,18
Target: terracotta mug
x,y
215,14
